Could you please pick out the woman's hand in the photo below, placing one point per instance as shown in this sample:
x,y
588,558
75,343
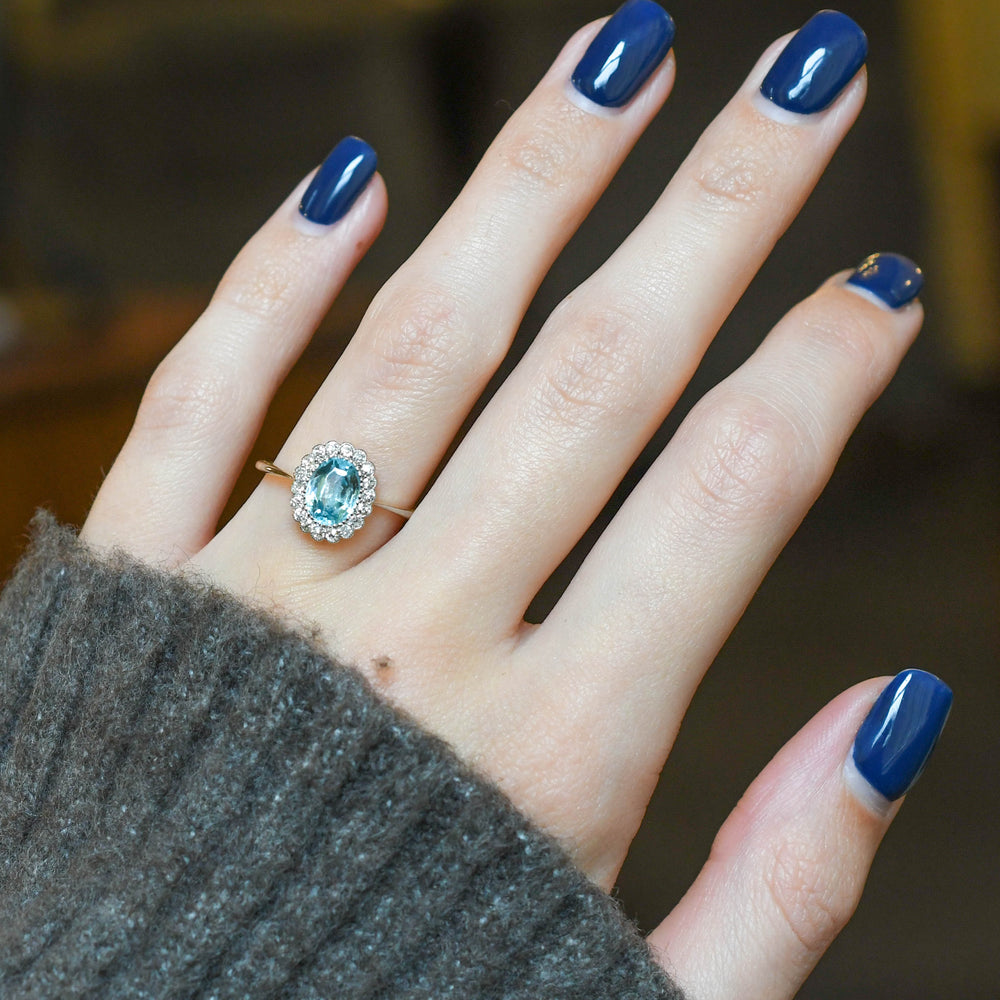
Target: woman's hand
x,y
574,717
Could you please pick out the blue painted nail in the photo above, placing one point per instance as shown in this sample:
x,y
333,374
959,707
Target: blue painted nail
x,y
816,65
895,279
338,182
900,732
633,42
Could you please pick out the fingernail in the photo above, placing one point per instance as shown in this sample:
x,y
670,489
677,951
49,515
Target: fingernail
x,y
816,65
338,182
900,732
633,42
893,278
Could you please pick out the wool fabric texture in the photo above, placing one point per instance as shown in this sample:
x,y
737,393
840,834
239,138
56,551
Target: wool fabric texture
x,y
196,801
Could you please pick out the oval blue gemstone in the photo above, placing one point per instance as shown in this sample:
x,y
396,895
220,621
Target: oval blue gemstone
x,y
333,491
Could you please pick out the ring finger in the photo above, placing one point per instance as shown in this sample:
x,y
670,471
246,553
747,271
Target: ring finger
x,y
441,326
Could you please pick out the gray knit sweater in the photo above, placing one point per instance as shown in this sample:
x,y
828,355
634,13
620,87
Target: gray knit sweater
x,y
196,802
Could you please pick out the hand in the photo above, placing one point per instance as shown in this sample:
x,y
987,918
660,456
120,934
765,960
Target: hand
x,y
574,717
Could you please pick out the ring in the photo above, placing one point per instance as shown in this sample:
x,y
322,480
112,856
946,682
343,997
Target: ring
x,y
333,490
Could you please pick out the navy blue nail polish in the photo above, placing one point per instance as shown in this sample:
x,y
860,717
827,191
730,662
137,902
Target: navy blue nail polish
x,y
816,65
899,733
633,42
338,182
895,279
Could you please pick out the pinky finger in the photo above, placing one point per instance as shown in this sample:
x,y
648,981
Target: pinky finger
x,y
788,866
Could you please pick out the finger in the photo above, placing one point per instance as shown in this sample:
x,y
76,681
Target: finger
x,y
788,867
206,401
442,324
667,581
559,436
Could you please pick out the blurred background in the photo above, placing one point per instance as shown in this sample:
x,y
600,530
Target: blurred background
x,y
142,142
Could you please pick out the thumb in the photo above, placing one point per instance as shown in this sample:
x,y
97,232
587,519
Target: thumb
x,y
787,868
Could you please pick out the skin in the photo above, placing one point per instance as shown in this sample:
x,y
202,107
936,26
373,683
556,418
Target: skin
x,y
573,718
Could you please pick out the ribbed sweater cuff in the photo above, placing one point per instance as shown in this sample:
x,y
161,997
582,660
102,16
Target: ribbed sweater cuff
x,y
196,802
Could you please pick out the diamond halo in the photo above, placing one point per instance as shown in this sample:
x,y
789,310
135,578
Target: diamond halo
x,y
362,504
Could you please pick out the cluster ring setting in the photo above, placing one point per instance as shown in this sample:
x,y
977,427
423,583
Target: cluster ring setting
x,y
333,490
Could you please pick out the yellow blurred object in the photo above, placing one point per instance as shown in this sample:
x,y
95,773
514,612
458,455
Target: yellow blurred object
x,y
955,74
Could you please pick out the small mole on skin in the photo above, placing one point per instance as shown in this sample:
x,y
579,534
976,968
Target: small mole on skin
x,y
383,668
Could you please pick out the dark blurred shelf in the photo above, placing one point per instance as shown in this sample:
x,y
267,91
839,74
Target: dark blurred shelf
x,y
60,350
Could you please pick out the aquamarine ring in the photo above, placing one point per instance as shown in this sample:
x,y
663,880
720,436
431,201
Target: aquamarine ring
x,y
333,490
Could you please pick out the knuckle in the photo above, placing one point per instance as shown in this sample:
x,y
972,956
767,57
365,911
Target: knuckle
x,y
416,339
192,398
544,156
753,460
598,374
263,286
734,177
811,899
848,336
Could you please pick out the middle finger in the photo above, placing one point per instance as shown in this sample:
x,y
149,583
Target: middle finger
x,y
554,443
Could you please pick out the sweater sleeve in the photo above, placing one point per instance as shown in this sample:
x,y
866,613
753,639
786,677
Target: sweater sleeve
x,y
196,802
